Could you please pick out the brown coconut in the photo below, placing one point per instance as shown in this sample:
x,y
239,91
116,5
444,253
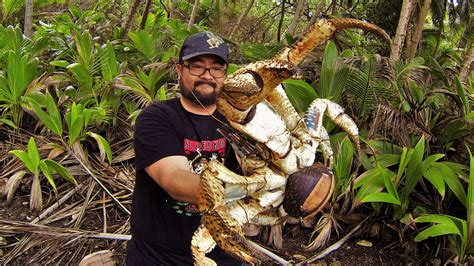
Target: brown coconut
x,y
308,190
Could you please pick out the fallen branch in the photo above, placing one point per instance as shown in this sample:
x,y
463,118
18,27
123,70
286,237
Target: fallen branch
x,y
119,204
57,204
336,245
22,227
270,254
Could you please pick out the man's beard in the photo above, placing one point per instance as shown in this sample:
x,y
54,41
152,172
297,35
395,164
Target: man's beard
x,y
191,94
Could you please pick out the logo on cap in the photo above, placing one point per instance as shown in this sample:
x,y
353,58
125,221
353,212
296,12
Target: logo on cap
x,y
214,41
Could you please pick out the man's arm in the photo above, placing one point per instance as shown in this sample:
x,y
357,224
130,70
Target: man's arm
x,y
174,176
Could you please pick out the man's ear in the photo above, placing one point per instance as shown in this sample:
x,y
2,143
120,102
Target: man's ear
x,y
179,68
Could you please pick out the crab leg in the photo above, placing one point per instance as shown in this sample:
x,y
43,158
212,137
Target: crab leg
x,y
252,84
320,32
249,86
201,244
222,227
335,112
282,105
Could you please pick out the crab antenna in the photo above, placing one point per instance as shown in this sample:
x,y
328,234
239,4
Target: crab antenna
x,y
320,32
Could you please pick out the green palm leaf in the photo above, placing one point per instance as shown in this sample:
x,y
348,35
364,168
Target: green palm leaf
x,y
437,230
470,201
300,93
391,196
104,146
59,169
52,118
23,156
10,6
333,74
108,63
145,42
452,180
47,173
85,50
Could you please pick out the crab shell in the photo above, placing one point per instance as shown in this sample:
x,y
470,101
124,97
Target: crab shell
x,y
308,190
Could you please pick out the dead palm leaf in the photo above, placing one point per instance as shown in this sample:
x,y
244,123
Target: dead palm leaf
x,y
12,184
324,227
390,121
124,154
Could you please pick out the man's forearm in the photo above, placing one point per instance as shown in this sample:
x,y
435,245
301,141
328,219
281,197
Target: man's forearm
x,y
182,185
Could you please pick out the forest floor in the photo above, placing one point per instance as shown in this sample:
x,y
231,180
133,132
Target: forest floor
x,y
52,246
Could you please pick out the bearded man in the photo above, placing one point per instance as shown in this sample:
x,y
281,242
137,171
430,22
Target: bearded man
x,y
170,139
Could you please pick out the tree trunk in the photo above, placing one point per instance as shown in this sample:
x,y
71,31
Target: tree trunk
x,y
171,7
319,9
28,27
296,18
468,65
132,9
216,13
333,7
400,35
145,14
280,23
419,29
193,14
242,18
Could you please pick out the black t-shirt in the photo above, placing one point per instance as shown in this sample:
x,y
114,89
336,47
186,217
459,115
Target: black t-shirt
x,y
162,227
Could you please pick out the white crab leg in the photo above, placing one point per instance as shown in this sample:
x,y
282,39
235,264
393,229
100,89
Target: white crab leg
x,y
237,186
282,105
201,244
269,128
304,145
249,212
244,212
267,198
335,112
323,140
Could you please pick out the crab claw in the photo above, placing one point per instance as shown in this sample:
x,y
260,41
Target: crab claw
x,y
249,86
224,229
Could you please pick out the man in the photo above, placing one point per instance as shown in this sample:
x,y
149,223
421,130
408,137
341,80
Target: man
x,y
170,136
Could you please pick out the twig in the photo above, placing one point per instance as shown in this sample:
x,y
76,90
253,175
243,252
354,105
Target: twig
x,y
119,204
104,212
57,204
269,253
88,199
336,245
112,236
15,227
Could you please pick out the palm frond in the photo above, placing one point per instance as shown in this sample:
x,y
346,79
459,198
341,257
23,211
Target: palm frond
x,y
368,84
323,229
414,71
135,91
391,123
438,10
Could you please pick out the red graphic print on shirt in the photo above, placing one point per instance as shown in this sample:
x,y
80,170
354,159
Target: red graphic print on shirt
x,y
211,146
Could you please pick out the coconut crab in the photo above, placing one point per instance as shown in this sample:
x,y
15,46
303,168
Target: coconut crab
x,y
256,105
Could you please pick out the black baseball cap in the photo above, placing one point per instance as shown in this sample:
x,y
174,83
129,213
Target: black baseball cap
x,y
201,43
